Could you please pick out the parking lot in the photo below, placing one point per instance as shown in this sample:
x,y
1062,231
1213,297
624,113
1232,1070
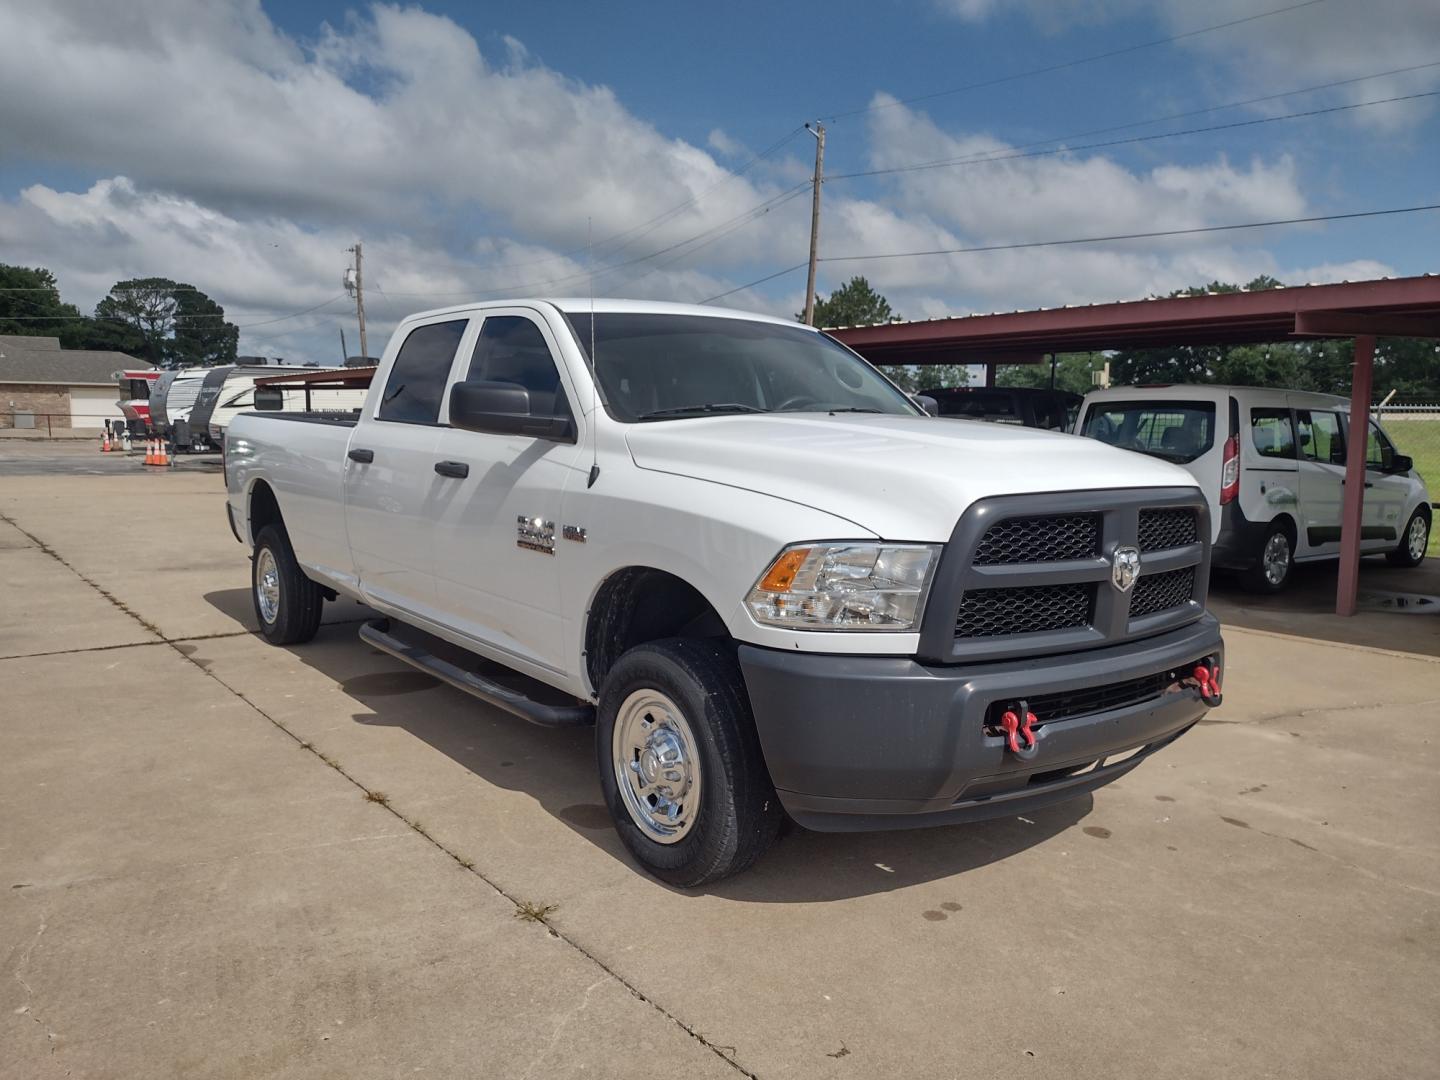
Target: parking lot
x,y
223,859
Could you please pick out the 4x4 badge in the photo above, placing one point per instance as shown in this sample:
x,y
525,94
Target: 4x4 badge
x,y
1125,567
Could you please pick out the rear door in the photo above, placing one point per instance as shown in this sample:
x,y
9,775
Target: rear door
x,y
1269,469
390,477
1321,444
498,531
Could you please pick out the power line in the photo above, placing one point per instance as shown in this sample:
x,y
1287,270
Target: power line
x,y
999,80
1083,240
982,159
1139,235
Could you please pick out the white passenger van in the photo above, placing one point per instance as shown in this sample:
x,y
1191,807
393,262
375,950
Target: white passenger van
x,y
1272,466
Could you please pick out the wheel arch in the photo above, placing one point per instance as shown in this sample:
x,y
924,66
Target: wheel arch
x,y
262,508
635,604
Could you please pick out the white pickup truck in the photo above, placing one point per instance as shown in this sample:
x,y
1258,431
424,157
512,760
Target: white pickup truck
x,y
760,569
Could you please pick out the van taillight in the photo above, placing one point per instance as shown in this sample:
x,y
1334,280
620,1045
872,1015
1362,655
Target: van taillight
x,y
1230,471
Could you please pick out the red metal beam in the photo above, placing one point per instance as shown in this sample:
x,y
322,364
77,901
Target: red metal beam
x,y
1350,323
1353,513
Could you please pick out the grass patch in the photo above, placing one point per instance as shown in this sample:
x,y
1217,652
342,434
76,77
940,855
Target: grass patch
x,y
528,911
377,797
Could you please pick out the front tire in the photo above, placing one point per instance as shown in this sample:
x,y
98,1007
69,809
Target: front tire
x,y
288,604
1275,562
1413,541
680,762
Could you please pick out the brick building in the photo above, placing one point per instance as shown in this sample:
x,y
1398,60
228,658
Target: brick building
x,y
43,386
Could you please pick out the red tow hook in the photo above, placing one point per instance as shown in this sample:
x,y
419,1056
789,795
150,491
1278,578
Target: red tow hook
x,y
1207,681
1012,726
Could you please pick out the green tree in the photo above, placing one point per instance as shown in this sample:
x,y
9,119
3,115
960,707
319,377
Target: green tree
x,y
1072,373
202,336
853,304
174,325
30,302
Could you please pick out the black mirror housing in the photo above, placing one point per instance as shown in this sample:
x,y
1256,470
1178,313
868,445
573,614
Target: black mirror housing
x,y
1400,464
269,399
929,404
502,408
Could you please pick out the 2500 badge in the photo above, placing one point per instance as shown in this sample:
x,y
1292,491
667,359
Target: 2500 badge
x,y
535,534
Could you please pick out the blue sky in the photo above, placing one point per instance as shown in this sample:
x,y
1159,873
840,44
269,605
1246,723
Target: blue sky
x,y
472,147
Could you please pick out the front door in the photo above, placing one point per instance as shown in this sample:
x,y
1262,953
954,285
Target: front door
x,y
498,532
1322,480
388,474
1385,494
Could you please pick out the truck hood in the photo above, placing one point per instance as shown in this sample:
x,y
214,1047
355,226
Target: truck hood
x,y
902,478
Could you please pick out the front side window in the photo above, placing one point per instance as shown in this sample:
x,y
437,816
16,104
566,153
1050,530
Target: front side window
x,y
1271,433
1178,431
1378,449
1320,438
417,379
664,367
511,349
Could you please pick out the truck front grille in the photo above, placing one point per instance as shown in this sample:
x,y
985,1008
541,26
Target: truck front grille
x,y
1034,575
995,612
1160,592
1164,529
1044,538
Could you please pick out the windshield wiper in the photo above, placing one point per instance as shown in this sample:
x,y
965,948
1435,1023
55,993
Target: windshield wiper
x,y
849,408
700,410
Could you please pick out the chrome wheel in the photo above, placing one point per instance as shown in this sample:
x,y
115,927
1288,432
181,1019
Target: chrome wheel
x,y
1276,558
1417,537
267,585
657,766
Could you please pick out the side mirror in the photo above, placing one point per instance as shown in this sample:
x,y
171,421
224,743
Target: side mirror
x,y
1400,464
929,404
502,408
269,399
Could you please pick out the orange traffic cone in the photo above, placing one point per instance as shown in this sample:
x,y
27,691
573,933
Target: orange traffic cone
x,y
104,441
164,458
149,451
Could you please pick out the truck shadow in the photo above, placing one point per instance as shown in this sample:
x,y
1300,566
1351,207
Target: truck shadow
x,y
556,767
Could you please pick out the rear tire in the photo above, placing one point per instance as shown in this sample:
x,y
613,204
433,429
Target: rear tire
x,y
680,762
288,605
1274,562
1413,541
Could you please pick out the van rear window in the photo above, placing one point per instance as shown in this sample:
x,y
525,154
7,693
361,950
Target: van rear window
x,y
1178,431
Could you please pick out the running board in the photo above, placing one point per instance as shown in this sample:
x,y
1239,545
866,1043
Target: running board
x,y
379,634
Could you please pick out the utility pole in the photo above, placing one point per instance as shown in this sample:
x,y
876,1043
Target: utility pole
x,y
818,130
357,285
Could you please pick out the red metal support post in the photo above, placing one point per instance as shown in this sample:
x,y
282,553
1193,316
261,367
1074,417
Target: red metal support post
x,y
1352,515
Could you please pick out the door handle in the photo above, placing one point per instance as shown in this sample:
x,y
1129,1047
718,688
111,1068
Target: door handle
x,y
365,457
458,469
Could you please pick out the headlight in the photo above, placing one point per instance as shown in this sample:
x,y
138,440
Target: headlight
x,y
856,586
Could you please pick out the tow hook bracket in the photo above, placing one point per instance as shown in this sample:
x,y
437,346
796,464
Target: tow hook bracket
x,y
1206,679
1017,723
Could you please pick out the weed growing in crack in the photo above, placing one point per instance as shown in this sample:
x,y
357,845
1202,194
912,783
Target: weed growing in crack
x,y
533,912
377,797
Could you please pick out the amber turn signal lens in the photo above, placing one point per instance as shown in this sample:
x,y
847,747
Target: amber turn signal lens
x,y
783,570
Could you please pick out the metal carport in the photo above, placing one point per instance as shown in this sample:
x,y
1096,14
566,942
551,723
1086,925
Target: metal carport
x,y
1363,310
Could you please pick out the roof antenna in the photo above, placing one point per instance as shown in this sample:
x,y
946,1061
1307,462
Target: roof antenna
x,y
594,368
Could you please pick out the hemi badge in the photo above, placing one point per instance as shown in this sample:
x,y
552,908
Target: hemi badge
x,y
573,532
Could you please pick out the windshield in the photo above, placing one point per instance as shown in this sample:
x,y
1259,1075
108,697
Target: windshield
x,y
1178,431
662,367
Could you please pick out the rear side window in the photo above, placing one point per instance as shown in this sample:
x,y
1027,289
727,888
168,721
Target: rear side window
x,y
1271,433
511,349
1178,431
417,381
1319,437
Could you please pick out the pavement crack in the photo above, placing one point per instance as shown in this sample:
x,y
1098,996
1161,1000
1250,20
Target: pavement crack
x,y
29,1008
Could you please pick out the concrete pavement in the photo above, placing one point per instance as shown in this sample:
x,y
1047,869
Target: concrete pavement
x,y
204,888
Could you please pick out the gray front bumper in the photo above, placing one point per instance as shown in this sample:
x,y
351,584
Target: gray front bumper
x,y
859,742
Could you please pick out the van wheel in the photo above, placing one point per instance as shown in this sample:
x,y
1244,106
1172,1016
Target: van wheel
x,y
287,603
1274,562
1413,541
680,762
